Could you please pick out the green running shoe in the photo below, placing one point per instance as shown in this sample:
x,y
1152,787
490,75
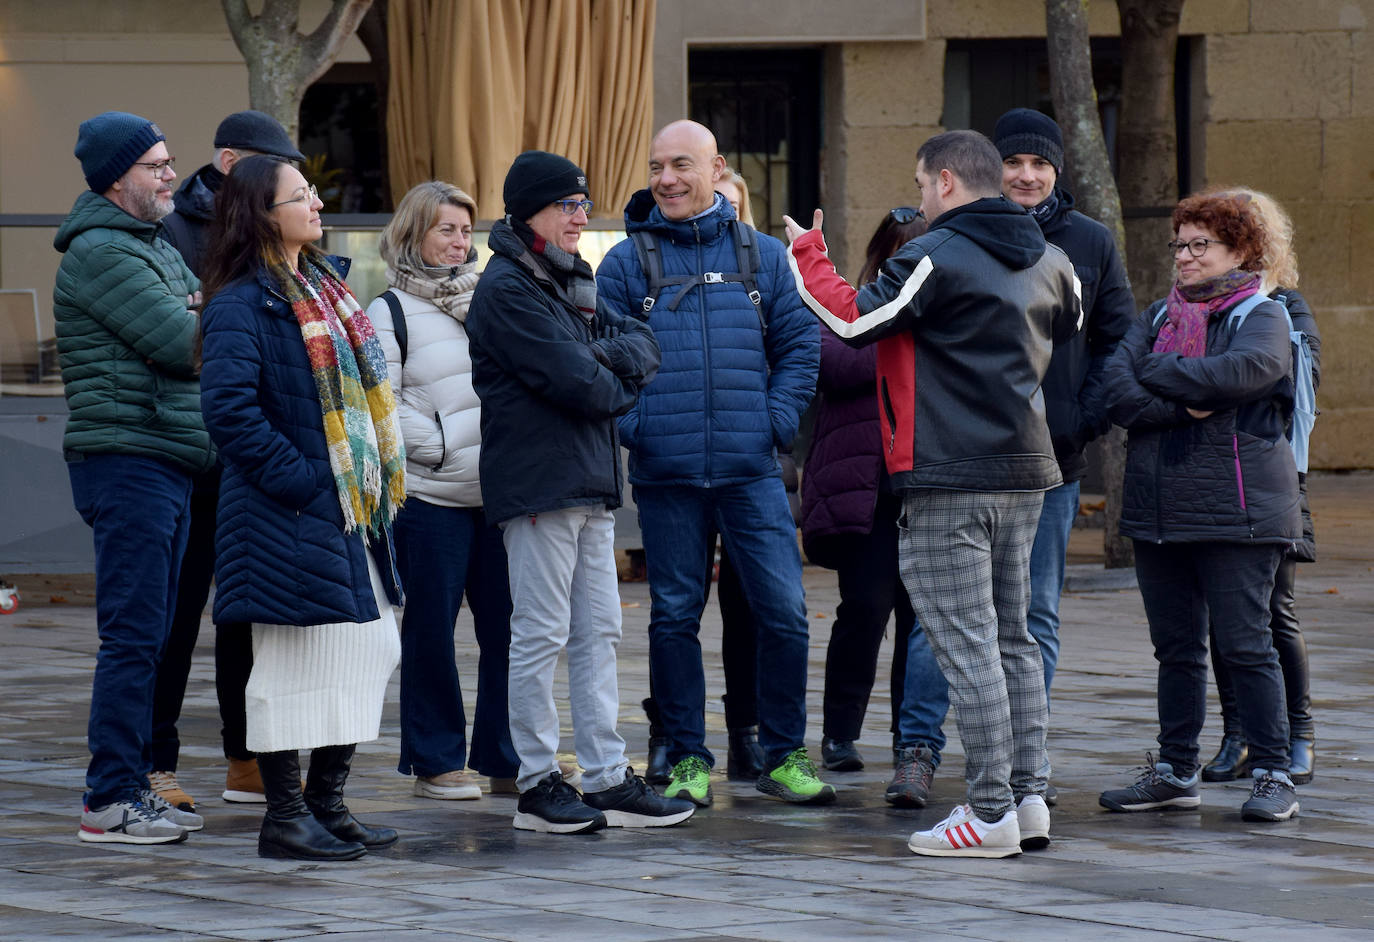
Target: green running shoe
x,y
795,780
692,780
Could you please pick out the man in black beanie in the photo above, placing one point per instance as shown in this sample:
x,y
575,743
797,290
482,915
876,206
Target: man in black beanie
x,y
553,369
187,228
1032,150
128,344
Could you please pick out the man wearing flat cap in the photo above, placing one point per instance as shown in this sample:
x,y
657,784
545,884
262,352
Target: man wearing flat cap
x,y
127,342
553,368
242,134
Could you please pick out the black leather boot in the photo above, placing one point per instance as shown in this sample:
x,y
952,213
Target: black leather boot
x,y
289,829
1302,752
324,785
658,771
746,760
1230,762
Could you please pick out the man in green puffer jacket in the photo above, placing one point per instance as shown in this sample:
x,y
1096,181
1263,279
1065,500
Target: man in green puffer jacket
x,y
128,343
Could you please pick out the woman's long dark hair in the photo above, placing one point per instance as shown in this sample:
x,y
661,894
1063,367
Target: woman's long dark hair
x,y
243,234
890,236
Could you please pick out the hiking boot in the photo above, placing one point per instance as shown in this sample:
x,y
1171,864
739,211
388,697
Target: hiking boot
x,y
448,786
1156,788
795,780
555,807
633,804
691,779
243,784
1229,763
915,770
165,784
1033,820
128,822
840,755
964,834
187,820
745,761
1273,798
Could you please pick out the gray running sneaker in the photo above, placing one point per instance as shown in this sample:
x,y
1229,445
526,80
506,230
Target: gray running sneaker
x,y
1157,788
188,820
1273,798
128,822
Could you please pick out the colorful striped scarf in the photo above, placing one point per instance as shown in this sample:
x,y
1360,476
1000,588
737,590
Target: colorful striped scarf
x,y
361,426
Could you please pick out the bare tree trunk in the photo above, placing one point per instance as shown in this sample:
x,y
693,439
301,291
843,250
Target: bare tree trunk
x,y
372,32
1147,141
1075,105
282,63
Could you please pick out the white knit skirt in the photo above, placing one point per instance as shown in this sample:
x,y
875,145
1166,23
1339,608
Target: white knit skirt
x,y
323,685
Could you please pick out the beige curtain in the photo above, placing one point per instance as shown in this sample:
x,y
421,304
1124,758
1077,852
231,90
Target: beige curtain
x,y
475,83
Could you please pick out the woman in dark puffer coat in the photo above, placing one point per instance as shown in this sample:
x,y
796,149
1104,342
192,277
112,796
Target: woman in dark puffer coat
x,y
295,393
849,524
1210,496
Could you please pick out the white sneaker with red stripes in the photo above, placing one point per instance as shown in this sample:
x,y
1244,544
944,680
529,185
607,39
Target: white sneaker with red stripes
x,y
964,834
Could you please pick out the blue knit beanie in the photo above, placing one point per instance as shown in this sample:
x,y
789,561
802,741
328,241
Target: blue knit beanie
x,y
1024,131
108,144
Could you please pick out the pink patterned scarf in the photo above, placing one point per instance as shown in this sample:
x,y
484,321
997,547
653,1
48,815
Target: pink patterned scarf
x,y
1190,307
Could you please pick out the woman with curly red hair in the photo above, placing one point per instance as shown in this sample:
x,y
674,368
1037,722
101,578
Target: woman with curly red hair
x,y
1203,385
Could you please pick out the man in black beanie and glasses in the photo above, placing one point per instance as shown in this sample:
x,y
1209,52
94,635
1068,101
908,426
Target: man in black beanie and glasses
x,y
553,369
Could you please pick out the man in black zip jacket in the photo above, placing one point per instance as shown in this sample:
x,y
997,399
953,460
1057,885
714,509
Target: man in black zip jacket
x,y
965,317
1032,150
553,368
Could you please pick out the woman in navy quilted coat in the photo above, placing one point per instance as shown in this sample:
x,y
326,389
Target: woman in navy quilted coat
x,y
1203,385
295,390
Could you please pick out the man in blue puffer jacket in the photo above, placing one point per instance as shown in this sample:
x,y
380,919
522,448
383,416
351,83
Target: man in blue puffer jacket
x,y
703,442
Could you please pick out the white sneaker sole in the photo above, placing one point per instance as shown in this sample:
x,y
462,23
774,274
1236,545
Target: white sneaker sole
x,y
626,819
119,837
532,822
244,798
982,850
1292,812
424,789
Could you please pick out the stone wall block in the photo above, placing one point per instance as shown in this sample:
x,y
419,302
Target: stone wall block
x,y
1016,19
1288,16
887,84
1282,158
1362,80
1348,159
1322,240
1271,76
1341,440
1215,16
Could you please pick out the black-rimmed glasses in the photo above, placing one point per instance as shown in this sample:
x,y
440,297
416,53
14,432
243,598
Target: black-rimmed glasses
x,y
1196,247
308,197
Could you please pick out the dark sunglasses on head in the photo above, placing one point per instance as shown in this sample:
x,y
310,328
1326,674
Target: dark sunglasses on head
x,y
904,214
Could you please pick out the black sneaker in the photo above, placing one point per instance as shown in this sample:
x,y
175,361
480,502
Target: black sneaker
x,y
840,755
915,770
554,807
1158,787
633,804
1273,799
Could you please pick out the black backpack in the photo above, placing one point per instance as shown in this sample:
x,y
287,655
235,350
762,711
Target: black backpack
x,y
747,262
398,322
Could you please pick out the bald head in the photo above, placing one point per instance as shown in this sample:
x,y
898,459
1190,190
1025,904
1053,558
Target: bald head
x,y
683,169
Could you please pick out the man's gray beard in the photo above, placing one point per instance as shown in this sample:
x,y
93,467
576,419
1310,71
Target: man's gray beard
x,y
150,209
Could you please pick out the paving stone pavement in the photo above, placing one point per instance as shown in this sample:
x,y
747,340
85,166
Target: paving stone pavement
x,y
749,867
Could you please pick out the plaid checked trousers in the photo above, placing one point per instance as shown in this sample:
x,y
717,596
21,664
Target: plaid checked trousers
x,y
965,562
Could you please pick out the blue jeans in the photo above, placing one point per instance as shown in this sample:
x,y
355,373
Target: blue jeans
x,y
925,697
1183,585
443,552
139,511
755,525
1048,552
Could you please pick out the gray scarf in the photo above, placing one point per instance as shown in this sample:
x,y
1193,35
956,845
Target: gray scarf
x,y
448,289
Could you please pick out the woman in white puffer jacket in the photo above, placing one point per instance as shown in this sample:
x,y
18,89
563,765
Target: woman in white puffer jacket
x,y
445,546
